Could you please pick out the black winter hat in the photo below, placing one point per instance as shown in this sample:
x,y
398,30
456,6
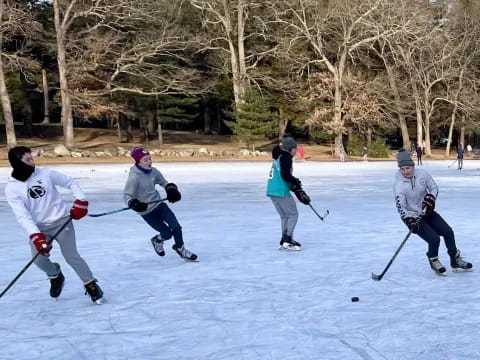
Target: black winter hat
x,y
21,171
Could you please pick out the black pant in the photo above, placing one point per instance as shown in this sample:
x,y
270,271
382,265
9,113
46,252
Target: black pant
x,y
419,159
432,227
164,221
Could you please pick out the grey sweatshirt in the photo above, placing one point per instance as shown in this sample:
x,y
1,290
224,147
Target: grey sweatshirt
x,y
141,186
409,193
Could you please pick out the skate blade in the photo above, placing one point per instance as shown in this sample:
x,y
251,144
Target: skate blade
x,y
189,260
444,274
290,248
460,270
100,301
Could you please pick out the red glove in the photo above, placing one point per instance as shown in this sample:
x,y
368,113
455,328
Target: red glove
x,y
40,242
79,209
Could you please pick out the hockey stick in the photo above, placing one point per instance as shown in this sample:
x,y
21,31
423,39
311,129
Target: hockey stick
x,y
123,209
34,258
325,214
377,277
452,163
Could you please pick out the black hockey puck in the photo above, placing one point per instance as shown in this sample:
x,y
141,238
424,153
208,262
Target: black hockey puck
x,y
355,299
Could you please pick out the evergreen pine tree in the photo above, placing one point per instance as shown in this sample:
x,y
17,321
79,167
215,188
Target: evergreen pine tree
x,y
254,119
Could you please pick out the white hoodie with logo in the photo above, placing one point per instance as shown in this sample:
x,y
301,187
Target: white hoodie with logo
x,y
37,201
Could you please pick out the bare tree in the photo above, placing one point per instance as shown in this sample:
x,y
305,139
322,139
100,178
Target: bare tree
x,y
143,47
13,20
235,31
67,14
5,98
334,33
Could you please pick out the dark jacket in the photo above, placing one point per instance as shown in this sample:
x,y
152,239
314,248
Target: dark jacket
x,y
286,163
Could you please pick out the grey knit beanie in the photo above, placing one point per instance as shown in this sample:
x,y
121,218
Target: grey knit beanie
x,y
404,158
288,143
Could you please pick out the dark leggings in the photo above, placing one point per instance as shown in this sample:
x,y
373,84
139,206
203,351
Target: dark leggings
x,y
432,227
164,221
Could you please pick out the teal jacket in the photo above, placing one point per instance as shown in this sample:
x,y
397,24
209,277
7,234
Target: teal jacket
x,y
277,185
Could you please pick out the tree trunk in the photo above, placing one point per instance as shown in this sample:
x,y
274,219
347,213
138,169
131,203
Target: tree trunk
x,y
461,140
150,124
6,105
397,100
160,134
428,149
418,111
450,130
369,137
129,129
46,117
67,115
337,115
5,98
119,128
219,118
207,119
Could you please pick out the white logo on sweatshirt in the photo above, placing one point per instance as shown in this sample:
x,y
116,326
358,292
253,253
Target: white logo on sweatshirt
x,y
36,192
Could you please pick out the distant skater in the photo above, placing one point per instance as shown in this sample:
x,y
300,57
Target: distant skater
x,y
460,153
419,155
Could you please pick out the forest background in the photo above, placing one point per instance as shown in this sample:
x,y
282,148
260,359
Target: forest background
x,y
345,74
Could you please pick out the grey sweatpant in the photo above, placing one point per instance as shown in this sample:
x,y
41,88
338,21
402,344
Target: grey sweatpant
x,y
287,209
68,246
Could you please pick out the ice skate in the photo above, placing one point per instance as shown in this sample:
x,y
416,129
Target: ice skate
x,y
96,294
458,264
157,243
184,253
56,283
437,266
288,243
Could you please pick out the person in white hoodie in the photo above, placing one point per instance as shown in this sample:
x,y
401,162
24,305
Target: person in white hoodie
x,y
415,196
39,208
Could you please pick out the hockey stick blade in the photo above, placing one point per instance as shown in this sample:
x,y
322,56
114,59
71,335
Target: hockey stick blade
x,y
325,214
376,277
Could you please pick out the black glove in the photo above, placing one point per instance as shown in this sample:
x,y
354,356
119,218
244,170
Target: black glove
x,y
296,184
413,224
302,197
137,205
173,195
428,203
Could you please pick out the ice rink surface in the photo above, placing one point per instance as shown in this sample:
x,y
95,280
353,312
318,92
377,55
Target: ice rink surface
x,y
245,299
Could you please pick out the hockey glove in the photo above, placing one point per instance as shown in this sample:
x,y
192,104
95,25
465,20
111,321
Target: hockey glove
x,y
173,195
296,185
428,203
137,205
302,197
79,209
40,242
413,224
